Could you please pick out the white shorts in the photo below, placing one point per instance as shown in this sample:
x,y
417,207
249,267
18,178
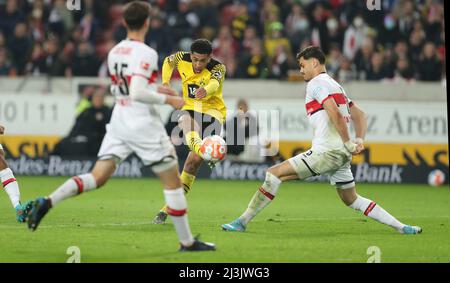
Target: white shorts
x,y
160,156
1,147
335,163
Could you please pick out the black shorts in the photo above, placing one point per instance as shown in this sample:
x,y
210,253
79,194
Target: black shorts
x,y
208,124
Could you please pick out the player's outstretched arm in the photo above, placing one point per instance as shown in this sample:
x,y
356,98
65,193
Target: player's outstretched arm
x,y
140,91
340,124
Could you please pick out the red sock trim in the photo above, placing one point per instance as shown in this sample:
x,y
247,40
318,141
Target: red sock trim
x,y
369,208
79,183
175,212
5,183
264,192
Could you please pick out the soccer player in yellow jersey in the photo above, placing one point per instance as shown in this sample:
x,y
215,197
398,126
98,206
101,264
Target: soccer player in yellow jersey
x,y
204,112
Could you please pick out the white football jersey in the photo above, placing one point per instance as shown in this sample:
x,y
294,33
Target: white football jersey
x,y
319,89
133,120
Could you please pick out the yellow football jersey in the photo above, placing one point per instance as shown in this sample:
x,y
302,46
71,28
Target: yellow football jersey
x,y
213,103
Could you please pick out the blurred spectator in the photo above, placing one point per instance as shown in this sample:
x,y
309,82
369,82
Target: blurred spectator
x,y
274,39
363,57
159,37
400,29
319,34
87,134
404,71
430,64
20,46
279,62
269,14
2,40
241,21
377,70
434,19
84,62
6,67
416,41
253,64
60,19
278,51
347,71
406,15
401,49
85,101
225,49
297,25
88,27
102,53
183,23
335,36
249,40
37,20
208,14
354,37
10,16
333,61
240,128
37,64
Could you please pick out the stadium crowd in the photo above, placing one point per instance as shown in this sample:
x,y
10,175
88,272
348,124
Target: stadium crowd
x,y
253,38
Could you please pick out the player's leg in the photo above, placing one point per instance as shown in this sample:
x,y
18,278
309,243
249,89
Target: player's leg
x,y
371,209
193,161
300,167
177,206
191,130
345,185
190,169
102,171
275,175
11,187
112,151
191,166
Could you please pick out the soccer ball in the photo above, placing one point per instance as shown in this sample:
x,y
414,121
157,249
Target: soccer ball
x,y
436,178
213,148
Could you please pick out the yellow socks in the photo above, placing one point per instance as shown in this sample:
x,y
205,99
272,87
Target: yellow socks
x,y
194,142
187,180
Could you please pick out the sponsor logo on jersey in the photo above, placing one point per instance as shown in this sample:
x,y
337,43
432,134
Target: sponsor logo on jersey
x,y
217,74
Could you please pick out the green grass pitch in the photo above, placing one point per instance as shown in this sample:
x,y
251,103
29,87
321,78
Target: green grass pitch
x,y
306,223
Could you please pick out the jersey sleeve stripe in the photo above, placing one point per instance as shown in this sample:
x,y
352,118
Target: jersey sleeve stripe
x,y
314,106
150,79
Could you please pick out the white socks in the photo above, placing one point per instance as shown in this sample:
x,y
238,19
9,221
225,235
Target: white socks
x,y
74,186
261,198
177,209
10,186
372,210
